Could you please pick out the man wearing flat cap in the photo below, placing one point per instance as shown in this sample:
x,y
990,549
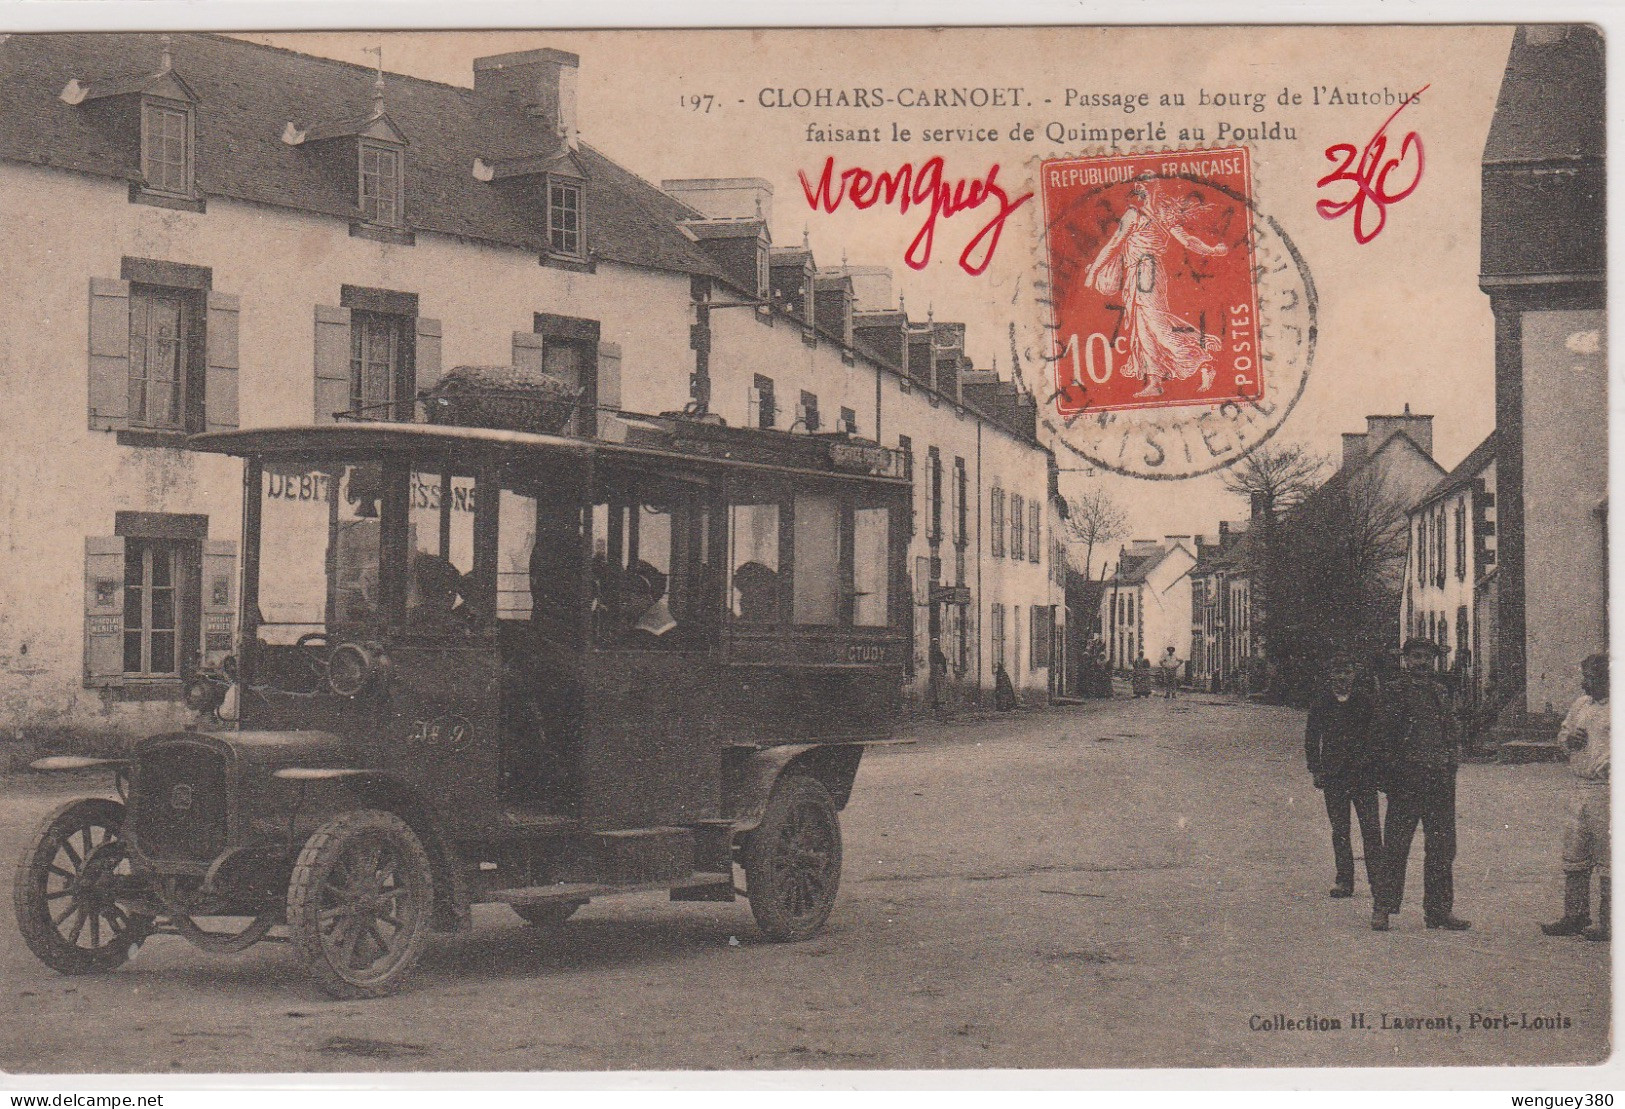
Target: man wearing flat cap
x,y
1418,734
650,624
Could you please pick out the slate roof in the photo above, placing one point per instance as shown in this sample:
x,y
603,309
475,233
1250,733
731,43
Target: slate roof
x,y
1133,569
1551,104
247,93
1465,472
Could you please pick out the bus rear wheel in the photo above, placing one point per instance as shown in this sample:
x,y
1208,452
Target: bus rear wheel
x,y
793,860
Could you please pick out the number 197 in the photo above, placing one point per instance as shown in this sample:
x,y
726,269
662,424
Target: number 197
x,y
697,102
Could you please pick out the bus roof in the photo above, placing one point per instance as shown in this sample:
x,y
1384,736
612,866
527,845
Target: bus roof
x,y
649,439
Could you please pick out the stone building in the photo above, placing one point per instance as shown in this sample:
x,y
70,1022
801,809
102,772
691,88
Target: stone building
x,y
1543,267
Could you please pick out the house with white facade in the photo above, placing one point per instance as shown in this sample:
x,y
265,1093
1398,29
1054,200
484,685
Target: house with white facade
x,y
205,233
1449,593
1146,606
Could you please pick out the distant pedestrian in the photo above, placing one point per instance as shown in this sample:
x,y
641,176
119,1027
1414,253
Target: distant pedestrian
x,y
1141,678
1585,732
1416,731
1337,742
1004,690
1169,665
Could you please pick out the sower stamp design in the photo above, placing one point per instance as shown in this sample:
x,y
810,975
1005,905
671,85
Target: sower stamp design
x,y
1168,292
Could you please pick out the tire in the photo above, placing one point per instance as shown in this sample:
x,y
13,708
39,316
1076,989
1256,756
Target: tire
x,y
793,860
547,914
61,891
360,903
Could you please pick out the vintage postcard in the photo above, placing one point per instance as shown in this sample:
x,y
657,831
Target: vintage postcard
x,y
846,549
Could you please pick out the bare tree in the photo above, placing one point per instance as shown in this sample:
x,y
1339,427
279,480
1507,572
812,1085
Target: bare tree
x,y
1275,479
1341,570
1095,519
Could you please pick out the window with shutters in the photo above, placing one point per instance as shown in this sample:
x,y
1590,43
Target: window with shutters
x,y
1461,539
849,421
167,147
1018,526
381,385
807,417
995,513
933,493
764,409
906,445
162,354
961,510
151,608
165,350
381,184
160,602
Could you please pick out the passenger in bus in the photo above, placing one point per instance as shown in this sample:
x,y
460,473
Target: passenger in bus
x,y
436,587
644,605
758,587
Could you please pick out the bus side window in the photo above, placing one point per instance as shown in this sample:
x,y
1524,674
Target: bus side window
x,y
818,559
753,559
871,567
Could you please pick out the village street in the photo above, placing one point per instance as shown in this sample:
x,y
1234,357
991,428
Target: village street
x,y
1127,884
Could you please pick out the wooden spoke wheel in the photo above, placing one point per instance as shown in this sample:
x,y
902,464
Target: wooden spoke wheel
x,y
68,887
360,902
793,860
547,914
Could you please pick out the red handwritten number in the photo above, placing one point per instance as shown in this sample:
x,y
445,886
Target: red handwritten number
x,y
1370,177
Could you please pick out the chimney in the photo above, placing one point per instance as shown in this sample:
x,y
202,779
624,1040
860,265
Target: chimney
x,y
1224,534
541,83
725,197
1379,429
871,285
1353,448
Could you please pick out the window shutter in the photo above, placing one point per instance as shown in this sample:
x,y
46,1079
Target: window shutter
x,y
220,384
332,362
426,356
219,599
104,610
609,375
109,354
527,351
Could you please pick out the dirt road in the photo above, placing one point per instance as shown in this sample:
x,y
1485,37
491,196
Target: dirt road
x,y
1122,885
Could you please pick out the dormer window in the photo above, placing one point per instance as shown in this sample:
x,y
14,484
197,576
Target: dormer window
x,y
554,186
368,156
380,184
166,147
151,117
564,218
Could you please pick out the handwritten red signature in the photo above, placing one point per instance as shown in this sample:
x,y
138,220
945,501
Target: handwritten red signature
x,y
916,186
1370,177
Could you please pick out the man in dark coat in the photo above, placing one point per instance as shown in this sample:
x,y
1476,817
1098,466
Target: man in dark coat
x,y
1337,743
1417,732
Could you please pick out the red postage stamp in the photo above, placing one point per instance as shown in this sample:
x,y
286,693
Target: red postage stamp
x,y
1153,292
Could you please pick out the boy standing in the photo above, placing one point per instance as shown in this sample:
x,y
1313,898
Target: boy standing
x,y
1585,732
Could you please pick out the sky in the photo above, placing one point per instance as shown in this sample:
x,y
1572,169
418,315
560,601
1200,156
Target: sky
x,y
1402,320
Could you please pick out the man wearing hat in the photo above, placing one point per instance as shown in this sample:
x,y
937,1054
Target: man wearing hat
x,y
1418,735
1337,742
